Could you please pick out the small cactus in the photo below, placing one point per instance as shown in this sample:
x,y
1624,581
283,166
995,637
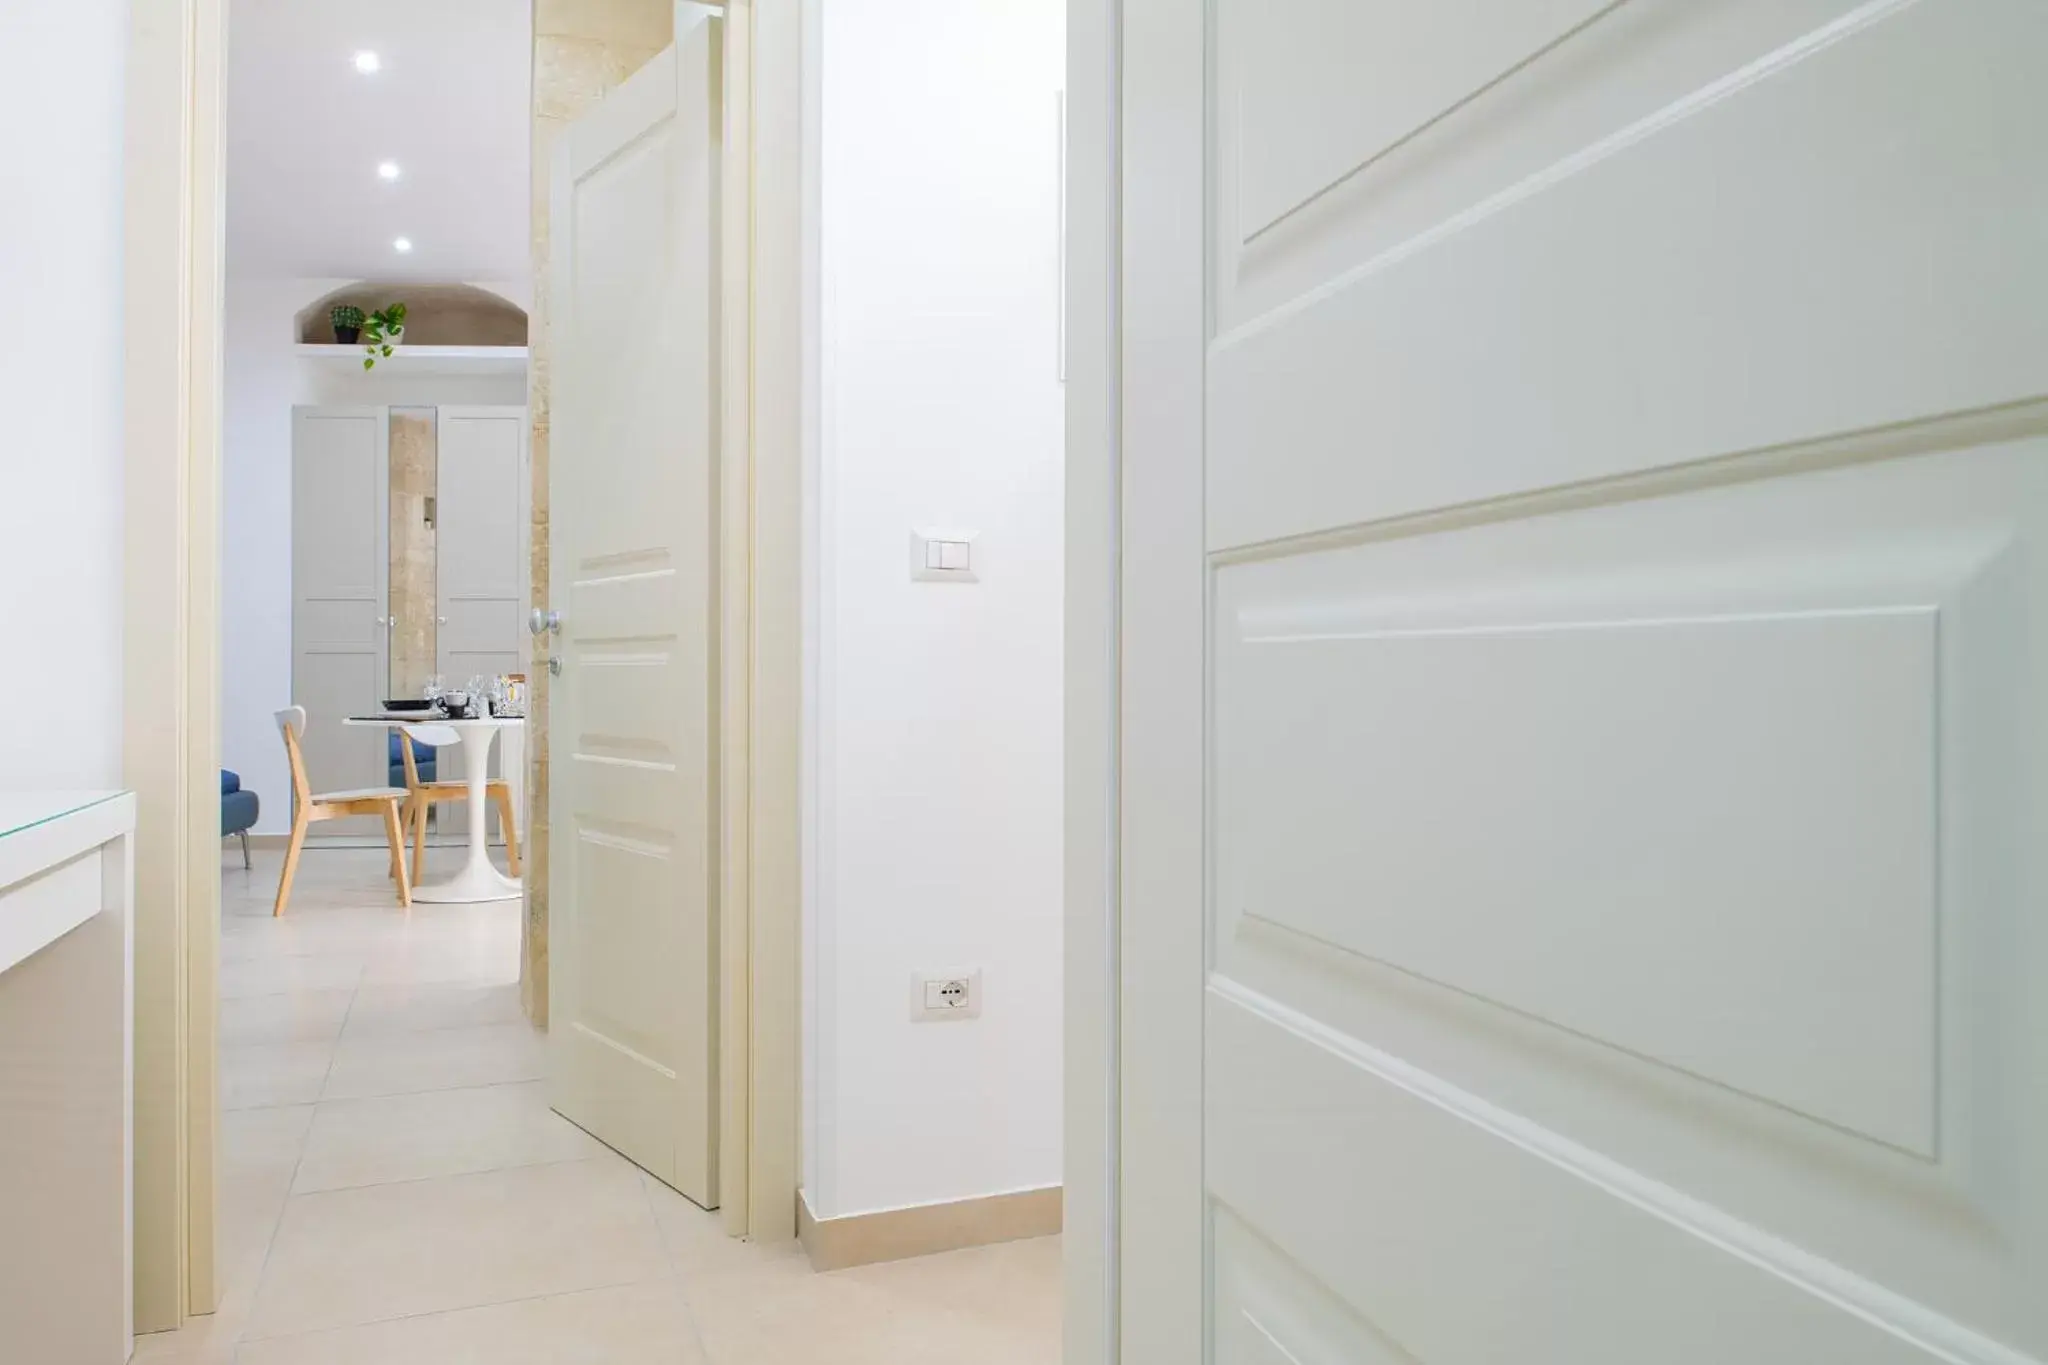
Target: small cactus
x,y
347,320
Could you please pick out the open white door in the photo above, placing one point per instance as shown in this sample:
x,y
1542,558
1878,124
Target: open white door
x,y
632,551
1584,650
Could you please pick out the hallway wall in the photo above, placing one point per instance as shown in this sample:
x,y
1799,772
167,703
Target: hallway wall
x,y
60,473
936,738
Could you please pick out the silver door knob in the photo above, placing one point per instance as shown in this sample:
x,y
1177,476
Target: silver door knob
x,y
555,666
543,622
440,620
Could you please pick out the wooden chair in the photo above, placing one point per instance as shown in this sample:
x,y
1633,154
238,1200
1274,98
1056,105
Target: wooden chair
x,y
421,796
308,807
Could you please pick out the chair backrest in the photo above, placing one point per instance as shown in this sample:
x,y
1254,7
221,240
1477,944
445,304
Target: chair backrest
x,y
292,722
412,772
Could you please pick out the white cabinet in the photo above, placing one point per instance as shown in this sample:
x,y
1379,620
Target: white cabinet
x,y
66,1076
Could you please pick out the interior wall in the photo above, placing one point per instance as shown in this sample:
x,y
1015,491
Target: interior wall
x,y
264,378
936,745
61,473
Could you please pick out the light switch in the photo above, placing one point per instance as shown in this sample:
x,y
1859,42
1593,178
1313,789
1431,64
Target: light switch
x,y
942,556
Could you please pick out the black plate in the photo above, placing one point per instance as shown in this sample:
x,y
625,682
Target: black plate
x,y
408,704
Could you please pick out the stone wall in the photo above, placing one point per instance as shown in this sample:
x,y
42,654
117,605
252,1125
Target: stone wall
x,y
413,601
581,50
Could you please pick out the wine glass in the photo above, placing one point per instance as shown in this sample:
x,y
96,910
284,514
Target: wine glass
x,y
434,688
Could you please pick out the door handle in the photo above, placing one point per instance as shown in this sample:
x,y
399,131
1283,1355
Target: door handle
x,y
544,622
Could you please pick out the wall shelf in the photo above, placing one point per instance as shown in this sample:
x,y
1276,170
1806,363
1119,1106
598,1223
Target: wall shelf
x,y
410,359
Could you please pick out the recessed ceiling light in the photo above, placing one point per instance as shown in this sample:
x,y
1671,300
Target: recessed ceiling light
x,y
402,245
387,170
368,62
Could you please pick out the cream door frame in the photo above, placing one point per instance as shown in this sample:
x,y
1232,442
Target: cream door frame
x,y
1092,1093
173,181
171,654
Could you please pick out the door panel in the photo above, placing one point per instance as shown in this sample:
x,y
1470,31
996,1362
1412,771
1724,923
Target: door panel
x,y
1607,604
340,578
631,556
480,541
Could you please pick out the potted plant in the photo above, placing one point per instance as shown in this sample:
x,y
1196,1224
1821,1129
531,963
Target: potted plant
x,y
384,329
348,323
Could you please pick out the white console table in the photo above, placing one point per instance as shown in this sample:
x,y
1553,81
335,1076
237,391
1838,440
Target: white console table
x,y
67,886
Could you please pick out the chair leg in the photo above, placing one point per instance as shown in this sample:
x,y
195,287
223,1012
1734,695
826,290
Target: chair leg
x,y
506,823
243,835
291,866
420,808
396,837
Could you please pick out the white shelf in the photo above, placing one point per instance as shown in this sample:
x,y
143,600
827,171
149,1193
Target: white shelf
x,y
410,359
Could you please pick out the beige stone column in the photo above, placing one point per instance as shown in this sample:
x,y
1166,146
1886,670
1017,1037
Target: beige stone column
x,y
581,49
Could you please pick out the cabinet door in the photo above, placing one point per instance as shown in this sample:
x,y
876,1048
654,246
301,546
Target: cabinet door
x,y
479,511
340,581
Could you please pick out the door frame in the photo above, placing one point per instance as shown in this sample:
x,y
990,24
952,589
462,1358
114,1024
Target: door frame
x,y
1092,792
173,178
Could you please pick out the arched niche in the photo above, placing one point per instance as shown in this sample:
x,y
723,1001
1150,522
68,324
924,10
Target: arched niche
x,y
435,314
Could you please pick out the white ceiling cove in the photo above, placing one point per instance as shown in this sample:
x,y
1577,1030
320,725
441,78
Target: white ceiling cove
x,y
306,131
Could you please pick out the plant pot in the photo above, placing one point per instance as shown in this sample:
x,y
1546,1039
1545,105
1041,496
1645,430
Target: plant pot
x,y
346,336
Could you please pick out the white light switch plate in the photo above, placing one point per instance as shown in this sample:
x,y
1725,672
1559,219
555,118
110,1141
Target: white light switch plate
x,y
937,996
942,556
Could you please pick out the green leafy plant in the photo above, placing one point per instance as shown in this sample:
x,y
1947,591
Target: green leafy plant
x,y
346,317
381,331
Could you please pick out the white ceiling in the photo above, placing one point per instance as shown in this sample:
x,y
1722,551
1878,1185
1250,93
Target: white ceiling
x,y
306,131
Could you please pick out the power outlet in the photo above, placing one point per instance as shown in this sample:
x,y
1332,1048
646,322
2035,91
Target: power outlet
x,y
938,996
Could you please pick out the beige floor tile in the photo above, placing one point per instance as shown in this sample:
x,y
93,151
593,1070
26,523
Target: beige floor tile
x,y
416,1008
268,1074
445,960
351,1257
992,1305
643,1324
290,1017
440,1132
441,1059
281,975
697,1245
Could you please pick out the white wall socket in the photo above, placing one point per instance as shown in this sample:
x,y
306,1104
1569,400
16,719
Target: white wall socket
x,y
945,995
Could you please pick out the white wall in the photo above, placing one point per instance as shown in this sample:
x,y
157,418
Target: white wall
x,y
60,385
263,380
936,742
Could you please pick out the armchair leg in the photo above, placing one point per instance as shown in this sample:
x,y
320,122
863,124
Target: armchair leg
x,y
243,835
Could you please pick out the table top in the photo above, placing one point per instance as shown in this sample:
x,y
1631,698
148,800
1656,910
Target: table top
x,y
388,718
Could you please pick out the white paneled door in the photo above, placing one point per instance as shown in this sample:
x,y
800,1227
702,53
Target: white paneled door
x,y
1584,649
632,547
341,623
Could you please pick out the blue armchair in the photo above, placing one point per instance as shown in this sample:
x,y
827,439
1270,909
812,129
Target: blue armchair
x,y
423,759
238,810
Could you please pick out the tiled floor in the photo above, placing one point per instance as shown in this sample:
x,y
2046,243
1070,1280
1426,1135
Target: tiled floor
x,y
395,1191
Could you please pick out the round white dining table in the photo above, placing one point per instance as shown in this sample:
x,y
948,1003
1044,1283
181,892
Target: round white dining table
x,y
478,880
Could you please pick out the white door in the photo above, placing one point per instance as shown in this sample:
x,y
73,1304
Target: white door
x,y
1585,555
631,556
340,577
480,541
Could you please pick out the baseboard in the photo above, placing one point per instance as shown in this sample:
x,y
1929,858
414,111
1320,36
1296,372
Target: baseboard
x,y
893,1234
